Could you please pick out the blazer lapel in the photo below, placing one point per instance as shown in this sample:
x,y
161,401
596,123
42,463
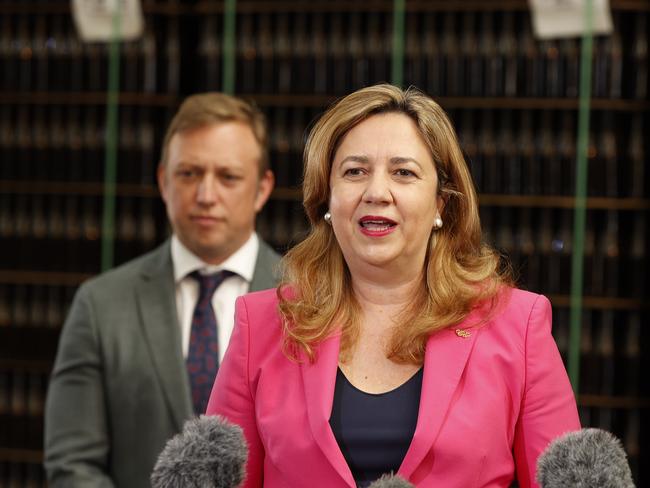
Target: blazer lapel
x,y
157,308
445,358
319,380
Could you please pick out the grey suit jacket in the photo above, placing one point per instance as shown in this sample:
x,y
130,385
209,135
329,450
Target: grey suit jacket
x,y
119,388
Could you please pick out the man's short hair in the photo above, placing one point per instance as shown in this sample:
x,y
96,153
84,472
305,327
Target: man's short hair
x,y
204,109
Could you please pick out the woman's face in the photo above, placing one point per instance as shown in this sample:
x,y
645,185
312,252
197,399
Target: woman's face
x,y
383,194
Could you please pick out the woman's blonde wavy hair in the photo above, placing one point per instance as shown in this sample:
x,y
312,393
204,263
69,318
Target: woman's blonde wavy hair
x,y
459,273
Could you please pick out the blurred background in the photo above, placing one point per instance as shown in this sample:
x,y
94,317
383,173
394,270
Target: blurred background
x,y
512,98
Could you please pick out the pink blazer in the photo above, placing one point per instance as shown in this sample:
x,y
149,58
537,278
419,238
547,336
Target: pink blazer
x,y
491,400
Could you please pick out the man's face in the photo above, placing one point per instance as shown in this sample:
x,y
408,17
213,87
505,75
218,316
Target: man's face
x,y
212,188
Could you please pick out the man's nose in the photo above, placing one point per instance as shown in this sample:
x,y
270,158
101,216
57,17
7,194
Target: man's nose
x,y
207,191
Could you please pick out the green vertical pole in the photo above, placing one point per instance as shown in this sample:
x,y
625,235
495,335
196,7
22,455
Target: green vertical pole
x,y
229,19
110,161
397,65
580,210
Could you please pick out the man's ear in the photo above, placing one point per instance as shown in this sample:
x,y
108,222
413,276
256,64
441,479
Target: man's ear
x,y
264,189
161,176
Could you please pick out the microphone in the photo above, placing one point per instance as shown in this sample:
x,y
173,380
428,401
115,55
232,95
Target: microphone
x,y
391,481
209,453
584,459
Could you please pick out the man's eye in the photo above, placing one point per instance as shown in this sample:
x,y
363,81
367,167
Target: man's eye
x,y
230,177
187,173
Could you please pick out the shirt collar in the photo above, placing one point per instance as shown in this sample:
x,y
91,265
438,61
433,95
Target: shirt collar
x,y
241,262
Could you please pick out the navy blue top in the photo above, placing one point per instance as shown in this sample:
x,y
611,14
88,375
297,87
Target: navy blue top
x,y
374,431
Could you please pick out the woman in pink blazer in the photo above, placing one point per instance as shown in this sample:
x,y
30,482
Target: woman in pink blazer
x,y
395,342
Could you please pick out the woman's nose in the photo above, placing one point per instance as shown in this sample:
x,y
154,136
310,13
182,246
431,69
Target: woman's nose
x,y
378,189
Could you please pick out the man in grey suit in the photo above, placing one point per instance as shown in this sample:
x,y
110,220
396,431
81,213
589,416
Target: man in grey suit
x,y
120,387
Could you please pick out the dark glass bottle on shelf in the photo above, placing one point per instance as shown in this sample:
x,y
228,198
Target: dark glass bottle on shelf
x,y
8,54
126,231
471,77
40,149
56,235
7,144
72,234
413,54
283,53
491,61
356,56
22,227
639,58
570,67
507,53
144,159
488,150
634,272
452,58
266,69
628,374
91,234
172,60
302,57
210,61
566,154
149,59
434,60
23,153
24,41
319,53
40,57
74,143
39,254
611,254
246,54
636,182
509,164
377,49
7,232
589,360
338,68
549,161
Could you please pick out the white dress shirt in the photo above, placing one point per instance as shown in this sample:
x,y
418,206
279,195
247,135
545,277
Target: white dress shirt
x,y
242,262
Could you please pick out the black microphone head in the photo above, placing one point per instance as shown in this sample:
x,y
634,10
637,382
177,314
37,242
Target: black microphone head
x,y
209,453
587,458
391,481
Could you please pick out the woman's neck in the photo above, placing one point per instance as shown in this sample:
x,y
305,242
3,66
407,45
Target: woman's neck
x,y
391,295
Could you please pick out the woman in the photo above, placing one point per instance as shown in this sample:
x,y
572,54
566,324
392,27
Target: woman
x,y
395,342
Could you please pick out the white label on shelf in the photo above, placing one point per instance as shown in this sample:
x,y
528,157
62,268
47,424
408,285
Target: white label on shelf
x,y
567,18
94,19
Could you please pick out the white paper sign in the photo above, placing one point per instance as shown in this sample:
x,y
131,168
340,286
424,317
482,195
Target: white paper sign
x,y
94,19
567,18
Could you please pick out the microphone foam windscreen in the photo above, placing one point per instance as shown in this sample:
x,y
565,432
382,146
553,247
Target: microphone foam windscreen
x,y
209,453
584,459
391,481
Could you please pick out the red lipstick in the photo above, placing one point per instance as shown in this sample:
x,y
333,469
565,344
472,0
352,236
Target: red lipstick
x,y
376,226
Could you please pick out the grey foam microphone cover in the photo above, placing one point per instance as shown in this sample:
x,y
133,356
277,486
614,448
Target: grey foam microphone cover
x,y
209,453
391,481
588,458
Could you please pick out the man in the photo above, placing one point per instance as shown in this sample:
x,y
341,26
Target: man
x,y
138,352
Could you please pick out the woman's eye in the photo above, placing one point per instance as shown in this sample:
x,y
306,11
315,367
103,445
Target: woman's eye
x,y
404,172
353,172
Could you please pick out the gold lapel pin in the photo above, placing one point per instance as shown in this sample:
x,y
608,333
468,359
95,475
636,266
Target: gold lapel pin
x,y
463,333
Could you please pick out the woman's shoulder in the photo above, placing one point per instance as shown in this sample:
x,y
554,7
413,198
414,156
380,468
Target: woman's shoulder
x,y
517,302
